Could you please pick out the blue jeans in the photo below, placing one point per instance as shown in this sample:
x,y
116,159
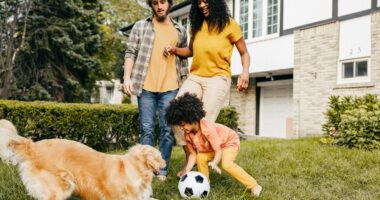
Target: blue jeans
x,y
149,103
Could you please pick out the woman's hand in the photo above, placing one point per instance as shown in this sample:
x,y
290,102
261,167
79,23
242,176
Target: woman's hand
x,y
169,50
243,81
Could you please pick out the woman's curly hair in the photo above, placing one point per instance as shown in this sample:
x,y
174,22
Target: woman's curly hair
x,y
219,15
187,108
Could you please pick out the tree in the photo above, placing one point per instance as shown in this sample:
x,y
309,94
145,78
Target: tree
x,y
13,20
58,61
114,15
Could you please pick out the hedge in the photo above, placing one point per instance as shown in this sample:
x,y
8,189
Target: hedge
x,y
100,126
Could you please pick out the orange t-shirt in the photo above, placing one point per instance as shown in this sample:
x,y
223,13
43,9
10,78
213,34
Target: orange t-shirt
x,y
211,137
162,71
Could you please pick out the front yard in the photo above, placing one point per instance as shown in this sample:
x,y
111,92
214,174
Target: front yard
x,y
287,169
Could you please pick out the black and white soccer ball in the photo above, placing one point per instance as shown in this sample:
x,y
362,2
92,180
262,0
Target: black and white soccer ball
x,y
194,185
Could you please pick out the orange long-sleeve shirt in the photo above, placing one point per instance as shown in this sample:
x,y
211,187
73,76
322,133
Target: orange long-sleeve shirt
x,y
211,137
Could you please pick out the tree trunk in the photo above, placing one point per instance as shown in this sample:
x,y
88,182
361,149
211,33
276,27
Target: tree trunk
x,y
20,10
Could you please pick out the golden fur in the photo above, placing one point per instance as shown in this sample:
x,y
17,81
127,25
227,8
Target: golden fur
x,y
54,169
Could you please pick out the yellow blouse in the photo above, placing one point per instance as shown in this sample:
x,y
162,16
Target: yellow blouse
x,y
212,51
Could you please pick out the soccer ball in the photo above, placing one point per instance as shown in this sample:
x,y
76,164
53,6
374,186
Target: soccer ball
x,y
193,185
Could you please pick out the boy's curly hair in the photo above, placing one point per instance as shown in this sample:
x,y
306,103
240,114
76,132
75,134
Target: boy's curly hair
x,y
187,108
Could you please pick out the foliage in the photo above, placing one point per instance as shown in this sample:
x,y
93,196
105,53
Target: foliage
x,y
114,15
353,122
13,22
58,58
126,100
287,169
120,13
98,126
229,117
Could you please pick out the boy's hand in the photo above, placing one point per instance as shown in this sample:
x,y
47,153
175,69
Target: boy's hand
x,y
181,173
215,167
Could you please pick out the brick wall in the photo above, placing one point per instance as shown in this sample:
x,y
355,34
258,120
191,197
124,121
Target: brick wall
x,y
315,73
245,104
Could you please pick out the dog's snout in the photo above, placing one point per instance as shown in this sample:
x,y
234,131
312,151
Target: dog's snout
x,y
156,172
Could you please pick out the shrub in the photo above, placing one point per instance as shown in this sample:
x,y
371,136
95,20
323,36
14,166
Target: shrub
x,y
229,117
353,122
101,127
126,100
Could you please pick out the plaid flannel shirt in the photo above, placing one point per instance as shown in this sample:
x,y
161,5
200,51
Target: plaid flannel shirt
x,y
139,49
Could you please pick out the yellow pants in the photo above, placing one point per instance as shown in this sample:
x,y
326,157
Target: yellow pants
x,y
228,165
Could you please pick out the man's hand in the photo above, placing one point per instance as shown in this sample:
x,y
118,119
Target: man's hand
x,y
243,81
169,50
127,85
215,167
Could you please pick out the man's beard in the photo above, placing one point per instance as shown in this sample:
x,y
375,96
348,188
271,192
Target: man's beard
x,y
161,18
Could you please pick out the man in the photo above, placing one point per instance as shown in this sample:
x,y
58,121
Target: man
x,y
151,76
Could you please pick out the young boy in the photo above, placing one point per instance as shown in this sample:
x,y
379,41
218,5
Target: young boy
x,y
209,143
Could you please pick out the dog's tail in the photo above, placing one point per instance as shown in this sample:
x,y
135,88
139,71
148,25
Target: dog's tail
x,y
9,141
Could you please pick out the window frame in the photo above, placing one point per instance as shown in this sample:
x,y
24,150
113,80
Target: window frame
x,y
355,79
180,20
264,25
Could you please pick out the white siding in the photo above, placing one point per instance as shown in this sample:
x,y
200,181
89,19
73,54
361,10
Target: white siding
x,y
301,12
355,38
230,6
267,55
346,7
378,3
183,11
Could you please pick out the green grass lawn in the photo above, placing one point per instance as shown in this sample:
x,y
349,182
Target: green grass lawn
x,y
287,169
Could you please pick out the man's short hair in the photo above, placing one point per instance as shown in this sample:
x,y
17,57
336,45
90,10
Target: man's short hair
x,y
149,2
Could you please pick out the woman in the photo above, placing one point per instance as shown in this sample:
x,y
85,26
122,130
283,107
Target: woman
x,y
213,36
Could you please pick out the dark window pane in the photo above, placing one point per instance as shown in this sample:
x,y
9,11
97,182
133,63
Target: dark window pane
x,y
361,68
348,70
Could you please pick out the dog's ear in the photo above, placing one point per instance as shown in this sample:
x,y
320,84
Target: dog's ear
x,y
21,145
153,158
14,143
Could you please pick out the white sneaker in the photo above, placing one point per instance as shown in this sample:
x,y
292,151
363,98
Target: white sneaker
x,y
256,190
162,178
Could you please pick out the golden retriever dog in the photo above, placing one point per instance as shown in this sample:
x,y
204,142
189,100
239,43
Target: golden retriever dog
x,y
55,169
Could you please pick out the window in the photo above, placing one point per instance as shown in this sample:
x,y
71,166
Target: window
x,y
244,17
109,94
184,21
258,18
354,71
272,23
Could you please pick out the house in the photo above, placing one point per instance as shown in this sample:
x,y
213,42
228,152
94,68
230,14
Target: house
x,y
302,52
109,92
